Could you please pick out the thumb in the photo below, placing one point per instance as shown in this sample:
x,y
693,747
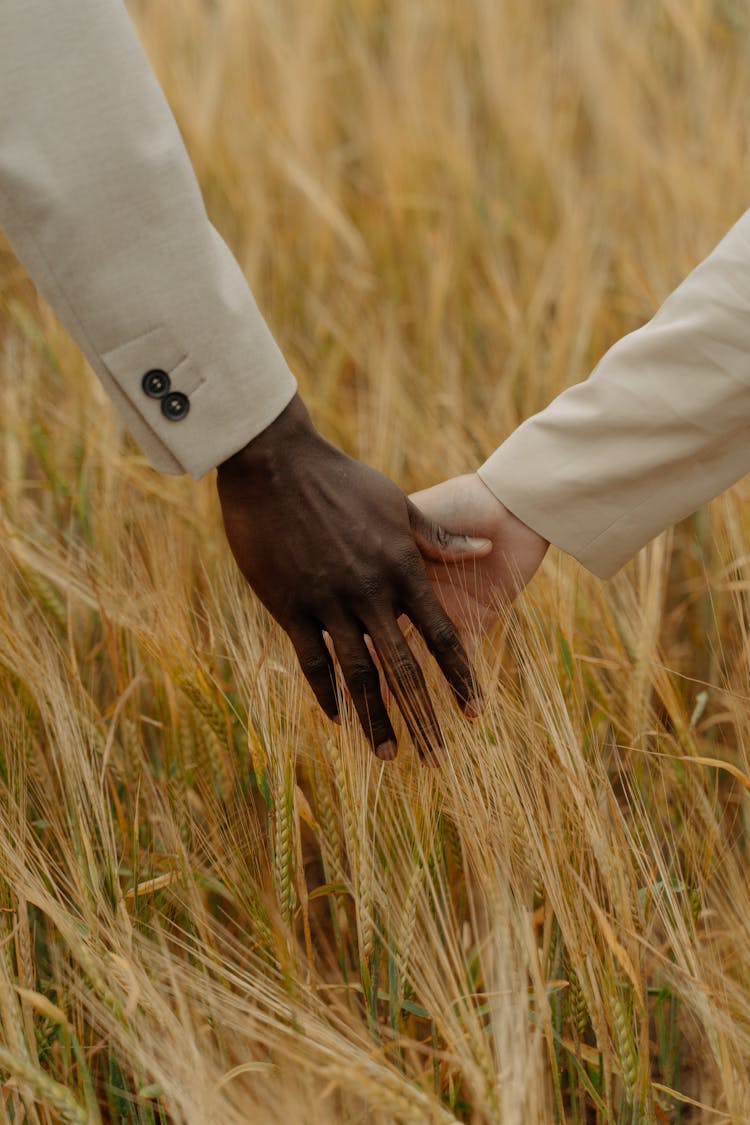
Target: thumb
x,y
440,545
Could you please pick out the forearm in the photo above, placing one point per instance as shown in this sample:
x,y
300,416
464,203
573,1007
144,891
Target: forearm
x,y
659,428
100,202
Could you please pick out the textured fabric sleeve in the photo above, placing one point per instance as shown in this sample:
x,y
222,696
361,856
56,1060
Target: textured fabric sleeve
x,y
100,203
661,426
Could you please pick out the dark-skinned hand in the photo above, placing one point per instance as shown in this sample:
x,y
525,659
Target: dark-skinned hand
x,y
332,546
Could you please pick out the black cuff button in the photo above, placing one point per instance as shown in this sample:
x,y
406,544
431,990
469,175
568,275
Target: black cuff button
x,y
155,383
175,406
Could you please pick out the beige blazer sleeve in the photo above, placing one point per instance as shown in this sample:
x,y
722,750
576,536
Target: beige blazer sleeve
x,y
99,201
661,426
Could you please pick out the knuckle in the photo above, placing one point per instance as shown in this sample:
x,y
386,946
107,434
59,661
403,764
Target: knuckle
x,y
409,561
316,668
405,671
445,637
361,678
371,586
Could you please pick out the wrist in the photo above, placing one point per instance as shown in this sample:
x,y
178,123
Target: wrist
x,y
509,519
290,430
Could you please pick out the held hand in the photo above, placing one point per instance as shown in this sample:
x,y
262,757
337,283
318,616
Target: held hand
x,y
329,544
472,590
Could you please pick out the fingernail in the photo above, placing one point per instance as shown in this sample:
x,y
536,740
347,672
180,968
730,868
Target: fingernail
x,y
474,708
478,544
433,752
386,751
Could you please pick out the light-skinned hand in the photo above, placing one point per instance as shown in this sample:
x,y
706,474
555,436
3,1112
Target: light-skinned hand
x,y
473,590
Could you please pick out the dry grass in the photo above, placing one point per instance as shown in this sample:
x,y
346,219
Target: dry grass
x,y
216,907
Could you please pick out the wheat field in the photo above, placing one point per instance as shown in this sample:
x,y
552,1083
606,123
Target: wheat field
x,y
215,907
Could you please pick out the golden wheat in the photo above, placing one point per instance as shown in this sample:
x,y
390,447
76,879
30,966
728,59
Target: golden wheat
x,y
215,907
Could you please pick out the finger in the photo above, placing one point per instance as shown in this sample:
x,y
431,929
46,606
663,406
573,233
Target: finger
x,y
362,679
472,617
317,666
465,619
440,545
443,641
385,691
408,685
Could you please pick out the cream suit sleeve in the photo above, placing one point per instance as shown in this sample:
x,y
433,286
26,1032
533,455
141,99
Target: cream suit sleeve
x,y
661,426
99,201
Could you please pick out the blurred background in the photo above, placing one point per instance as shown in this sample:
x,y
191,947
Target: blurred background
x,y
214,908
